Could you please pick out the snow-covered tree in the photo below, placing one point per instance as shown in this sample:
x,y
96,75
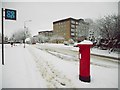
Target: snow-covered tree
x,y
20,35
109,26
42,38
57,38
5,38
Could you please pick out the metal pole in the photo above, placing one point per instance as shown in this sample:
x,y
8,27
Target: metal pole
x,y
24,33
2,37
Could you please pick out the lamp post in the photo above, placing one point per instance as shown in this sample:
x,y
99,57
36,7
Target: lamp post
x,y
25,31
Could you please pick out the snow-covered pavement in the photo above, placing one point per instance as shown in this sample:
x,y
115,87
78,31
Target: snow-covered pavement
x,y
36,67
0,70
20,70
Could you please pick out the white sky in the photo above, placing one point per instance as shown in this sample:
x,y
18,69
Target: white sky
x,y
43,14
59,0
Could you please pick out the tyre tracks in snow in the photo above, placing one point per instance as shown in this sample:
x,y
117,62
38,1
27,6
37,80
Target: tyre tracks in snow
x,y
54,78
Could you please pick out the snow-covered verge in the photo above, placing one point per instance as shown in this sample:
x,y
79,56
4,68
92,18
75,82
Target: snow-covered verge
x,y
95,51
104,53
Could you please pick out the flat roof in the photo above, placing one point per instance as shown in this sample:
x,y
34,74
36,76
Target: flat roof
x,y
62,20
45,31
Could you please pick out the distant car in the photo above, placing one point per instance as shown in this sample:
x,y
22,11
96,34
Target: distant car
x,y
33,43
66,43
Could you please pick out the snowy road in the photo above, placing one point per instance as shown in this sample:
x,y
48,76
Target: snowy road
x,y
57,56
67,53
51,66
45,63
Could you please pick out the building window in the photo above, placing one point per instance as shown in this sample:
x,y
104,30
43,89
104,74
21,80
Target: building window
x,y
77,23
72,30
73,22
76,26
72,26
72,34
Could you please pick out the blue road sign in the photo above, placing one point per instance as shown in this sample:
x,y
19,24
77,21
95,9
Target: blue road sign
x,y
10,14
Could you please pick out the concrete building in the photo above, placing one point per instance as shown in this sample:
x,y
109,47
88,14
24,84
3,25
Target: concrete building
x,y
82,30
44,36
66,28
46,33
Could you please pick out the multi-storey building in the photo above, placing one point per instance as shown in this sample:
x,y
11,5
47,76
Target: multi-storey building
x,y
45,36
46,33
66,28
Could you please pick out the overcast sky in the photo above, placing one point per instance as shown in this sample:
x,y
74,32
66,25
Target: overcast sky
x,y
43,14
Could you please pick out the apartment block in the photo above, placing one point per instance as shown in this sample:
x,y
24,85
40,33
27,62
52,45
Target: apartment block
x,y
46,33
66,28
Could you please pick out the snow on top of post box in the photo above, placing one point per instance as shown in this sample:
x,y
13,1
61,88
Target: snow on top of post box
x,y
86,42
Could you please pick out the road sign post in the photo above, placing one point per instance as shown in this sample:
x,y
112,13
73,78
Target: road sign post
x,y
2,37
9,15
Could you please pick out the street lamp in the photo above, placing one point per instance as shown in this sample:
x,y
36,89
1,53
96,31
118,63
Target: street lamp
x,y
24,30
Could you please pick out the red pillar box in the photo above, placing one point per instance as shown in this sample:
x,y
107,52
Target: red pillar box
x,y
84,68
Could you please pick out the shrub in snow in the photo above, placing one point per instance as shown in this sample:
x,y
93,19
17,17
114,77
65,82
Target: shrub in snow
x,y
57,39
71,41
